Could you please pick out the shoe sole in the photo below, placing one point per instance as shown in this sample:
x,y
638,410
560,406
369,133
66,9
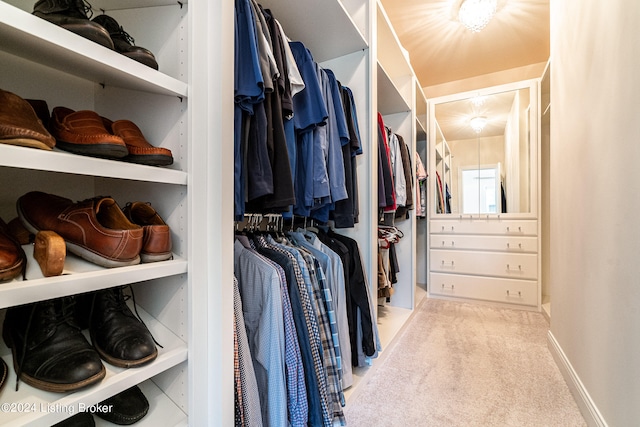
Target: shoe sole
x,y
122,363
155,257
149,160
12,272
81,251
105,151
45,385
26,142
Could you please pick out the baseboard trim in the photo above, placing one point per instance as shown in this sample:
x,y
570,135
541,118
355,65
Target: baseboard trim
x,y
587,406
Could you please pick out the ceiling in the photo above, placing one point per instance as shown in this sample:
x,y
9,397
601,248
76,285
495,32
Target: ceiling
x,y
442,50
453,117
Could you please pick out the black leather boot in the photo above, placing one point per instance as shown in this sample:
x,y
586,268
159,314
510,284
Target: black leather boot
x,y
72,15
118,335
49,350
125,44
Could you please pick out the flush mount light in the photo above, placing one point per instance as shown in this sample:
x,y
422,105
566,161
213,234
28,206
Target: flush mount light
x,y
478,123
476,14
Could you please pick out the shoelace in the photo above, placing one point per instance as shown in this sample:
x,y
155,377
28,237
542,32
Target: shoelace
x,y
121,305
122,33
83,7
61,315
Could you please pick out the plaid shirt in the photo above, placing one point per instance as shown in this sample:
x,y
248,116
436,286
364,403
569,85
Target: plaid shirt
x,y
302,277
247,411
319,291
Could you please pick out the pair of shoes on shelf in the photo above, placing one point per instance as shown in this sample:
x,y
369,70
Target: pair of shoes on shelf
x,y
51,353
20,125
97,229
74,16
125,408
13,260
87,133
28,123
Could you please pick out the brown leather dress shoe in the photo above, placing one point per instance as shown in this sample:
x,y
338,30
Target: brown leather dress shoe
x,y
140,150
94,229
83,132
19,124
157,235
13,260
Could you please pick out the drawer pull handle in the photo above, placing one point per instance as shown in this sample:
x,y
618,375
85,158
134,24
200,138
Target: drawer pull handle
x,y
509,268
509,294
519,229
509,245
443,263
443,243
447,287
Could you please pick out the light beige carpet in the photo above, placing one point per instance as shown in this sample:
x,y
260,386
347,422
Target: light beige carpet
x,y
458,364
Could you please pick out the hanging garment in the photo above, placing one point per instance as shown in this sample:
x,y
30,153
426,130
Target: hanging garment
x,y
421,190
388,203
363,332
332,266
247,398
403,212
300,286
259,286
397,169
304,318
248,91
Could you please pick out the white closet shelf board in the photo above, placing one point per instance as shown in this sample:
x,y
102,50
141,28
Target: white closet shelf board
x,y
325,28
173,353
129,4
162,410
60,161
390,100
390,51
40,41
80,276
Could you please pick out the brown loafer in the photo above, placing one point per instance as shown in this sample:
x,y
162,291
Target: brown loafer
x,y
13,260
19,124
140,150
157,235
83,132
94,229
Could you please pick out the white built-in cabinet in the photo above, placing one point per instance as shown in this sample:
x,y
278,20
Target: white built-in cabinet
x,y
186,302
488,256
186,106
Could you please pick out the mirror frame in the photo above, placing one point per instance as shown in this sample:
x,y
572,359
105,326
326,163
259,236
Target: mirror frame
x,y
534,148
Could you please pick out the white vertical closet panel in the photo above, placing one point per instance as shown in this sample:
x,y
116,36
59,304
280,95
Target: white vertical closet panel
x,y
422,265
396,101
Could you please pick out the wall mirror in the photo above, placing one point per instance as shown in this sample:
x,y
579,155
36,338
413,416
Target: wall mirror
x,y
484,151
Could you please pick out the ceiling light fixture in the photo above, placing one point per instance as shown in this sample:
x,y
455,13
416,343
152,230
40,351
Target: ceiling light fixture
x,y
478,123
479,100
476,14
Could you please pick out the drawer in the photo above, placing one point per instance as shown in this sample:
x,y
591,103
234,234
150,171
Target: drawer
x,y
489,243
511,265
484,226
523,292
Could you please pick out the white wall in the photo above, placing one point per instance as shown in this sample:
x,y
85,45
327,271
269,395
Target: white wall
x,y
595,201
